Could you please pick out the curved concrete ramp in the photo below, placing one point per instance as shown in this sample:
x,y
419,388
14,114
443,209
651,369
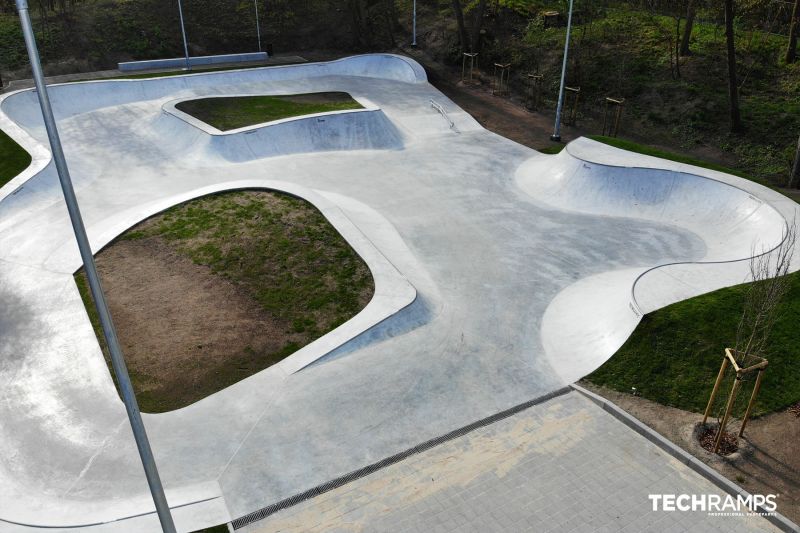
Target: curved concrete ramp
x,y
590,320
360,129
526,272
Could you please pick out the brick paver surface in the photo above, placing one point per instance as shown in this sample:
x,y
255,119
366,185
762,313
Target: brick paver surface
x,y
565,465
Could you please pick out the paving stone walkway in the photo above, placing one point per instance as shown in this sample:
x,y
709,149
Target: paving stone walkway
x,y
565,465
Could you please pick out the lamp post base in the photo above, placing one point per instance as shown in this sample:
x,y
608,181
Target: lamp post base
x,y
555,138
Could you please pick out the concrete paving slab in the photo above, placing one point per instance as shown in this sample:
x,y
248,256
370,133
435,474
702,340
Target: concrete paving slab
x,y
563,465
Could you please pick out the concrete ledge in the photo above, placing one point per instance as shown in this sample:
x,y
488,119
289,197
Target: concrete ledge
x,y
778,520
132,66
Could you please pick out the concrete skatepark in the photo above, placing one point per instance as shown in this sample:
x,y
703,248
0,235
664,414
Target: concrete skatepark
x,y
502,275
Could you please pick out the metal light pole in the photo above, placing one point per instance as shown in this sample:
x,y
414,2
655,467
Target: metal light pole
x,y
110,334
556,136
185,42
258,27
414,26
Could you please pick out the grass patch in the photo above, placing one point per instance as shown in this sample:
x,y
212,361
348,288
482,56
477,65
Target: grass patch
x,y
277,250
13,159
674,355
229,113
552,149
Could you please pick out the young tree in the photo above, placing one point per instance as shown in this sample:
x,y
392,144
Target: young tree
x,y
733,92
794,28
768,272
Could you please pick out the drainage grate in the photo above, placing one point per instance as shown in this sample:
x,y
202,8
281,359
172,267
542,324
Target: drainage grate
x,y
362,472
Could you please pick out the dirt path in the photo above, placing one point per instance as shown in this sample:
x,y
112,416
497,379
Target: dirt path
x,y
772,467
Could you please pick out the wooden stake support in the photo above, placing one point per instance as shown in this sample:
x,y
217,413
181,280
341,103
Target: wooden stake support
x,y
611,121
572,116
534,94
471,56
730,360
500,86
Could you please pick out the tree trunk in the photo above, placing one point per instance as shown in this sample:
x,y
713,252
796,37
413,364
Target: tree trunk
x,y
676,48
462,30
794,28
477,25
793,178
687,30
359,23
391,20
733,93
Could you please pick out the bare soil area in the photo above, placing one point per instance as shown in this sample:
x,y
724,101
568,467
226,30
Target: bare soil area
x,y
185,331
771,464
222,287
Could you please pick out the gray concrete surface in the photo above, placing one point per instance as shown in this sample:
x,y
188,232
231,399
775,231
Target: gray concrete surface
x,y
565,465
522,284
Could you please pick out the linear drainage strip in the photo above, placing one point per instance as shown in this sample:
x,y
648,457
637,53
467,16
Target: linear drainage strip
x,y
367,470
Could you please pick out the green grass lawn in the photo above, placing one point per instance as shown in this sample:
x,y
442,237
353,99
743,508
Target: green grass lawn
x,y
229,113
13,159
675,353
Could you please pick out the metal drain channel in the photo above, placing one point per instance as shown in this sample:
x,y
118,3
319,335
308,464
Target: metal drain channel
x,y
264,512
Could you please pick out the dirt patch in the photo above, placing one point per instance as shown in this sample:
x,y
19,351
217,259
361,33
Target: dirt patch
x,y
770,466
708,439
217,289
185,331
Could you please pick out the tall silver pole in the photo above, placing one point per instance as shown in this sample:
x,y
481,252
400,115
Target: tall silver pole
x,y
185,42
109,332
258,27
556,136
414,25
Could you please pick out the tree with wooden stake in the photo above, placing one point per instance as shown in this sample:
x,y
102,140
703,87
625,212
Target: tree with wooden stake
x,y
768,273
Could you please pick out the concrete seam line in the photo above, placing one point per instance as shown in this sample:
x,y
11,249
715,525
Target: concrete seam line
x,y
264,512
777,519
